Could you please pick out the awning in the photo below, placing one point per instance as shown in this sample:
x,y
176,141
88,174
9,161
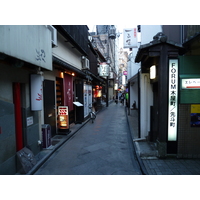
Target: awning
x,y
67,66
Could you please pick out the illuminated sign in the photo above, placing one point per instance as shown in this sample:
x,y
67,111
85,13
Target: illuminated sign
x,y
63,117
173,100
62,110
125,73
195,115
190,83
104,69
153,72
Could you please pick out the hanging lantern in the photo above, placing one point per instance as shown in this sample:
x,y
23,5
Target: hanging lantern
x,y
103,69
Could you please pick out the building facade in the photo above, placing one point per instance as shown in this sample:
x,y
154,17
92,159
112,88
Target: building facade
x,y
105,40
170,63
139,82
44,70
21,57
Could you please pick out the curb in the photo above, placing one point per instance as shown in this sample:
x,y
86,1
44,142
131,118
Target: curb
x,y
45,158
136,148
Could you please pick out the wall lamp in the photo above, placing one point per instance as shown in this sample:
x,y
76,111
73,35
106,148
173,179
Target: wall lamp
x,y
153,72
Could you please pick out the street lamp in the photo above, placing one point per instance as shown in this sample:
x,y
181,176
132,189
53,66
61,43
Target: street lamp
x,y
107,92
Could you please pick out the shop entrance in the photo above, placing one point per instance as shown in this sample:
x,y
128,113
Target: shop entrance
x,y
49,105
18,115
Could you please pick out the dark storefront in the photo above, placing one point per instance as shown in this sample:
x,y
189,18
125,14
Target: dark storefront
x,y
70,89
164,56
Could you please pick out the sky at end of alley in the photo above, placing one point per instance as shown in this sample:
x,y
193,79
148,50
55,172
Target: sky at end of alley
x,y
119,29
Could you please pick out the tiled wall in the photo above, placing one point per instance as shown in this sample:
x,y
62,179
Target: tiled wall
x,y
188,137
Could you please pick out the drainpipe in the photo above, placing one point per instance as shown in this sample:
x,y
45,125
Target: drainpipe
x,y
129,98
139,131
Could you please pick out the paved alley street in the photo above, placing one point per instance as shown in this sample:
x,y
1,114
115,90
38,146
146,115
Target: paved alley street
x,y
101,148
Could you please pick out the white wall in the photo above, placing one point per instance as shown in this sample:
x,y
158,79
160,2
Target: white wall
x,y
132,66
28,43
147,34
132,75
146,98
65,52
146,101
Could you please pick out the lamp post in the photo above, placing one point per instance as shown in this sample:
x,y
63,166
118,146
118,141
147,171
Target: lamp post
x,y
107,91
111,36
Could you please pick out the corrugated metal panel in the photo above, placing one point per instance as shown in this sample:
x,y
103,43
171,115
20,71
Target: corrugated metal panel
x,y
77,35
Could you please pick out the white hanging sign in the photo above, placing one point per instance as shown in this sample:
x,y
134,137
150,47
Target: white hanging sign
x,y
130,38
36,92
104,69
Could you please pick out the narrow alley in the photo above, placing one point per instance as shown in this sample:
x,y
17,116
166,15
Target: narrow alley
x,y
101,148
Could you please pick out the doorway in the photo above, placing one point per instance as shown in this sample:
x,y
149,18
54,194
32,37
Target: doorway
x,y
79,110
18,116
49,105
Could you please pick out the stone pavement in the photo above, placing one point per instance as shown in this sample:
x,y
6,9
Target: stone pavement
x,y
57,142
100,148
148,155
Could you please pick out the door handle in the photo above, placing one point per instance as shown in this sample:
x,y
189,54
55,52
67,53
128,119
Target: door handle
x,y
50,115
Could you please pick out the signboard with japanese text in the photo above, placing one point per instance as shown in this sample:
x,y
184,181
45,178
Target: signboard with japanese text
x,y
36,92
191,83
173,100
63,117
62,110
130,38
29,121
68,87
103,69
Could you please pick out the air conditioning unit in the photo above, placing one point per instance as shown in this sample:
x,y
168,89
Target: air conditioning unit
x,y
53,35
86,63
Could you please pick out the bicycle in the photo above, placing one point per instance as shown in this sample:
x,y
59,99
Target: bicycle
x,y
92,113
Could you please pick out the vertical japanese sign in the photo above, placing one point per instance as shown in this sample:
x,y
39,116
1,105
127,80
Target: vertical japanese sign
x,y
103,69
36,92
68,88
130,38
173,100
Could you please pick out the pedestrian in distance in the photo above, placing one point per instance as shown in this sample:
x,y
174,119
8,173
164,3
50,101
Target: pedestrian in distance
x,y
126,96
122,97
134,106
116,98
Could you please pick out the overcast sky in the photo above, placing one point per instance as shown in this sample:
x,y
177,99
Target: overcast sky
x,y
119,29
